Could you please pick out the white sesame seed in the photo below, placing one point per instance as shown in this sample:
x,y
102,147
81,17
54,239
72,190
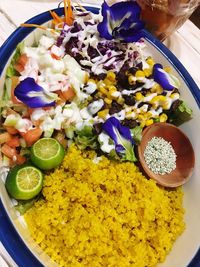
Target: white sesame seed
x,y
160,156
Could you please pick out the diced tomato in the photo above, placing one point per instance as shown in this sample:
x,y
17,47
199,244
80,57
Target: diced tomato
x,y
14,142
68,94
10,111
20,65
12,154
9,151
11,129
55,56
21,159
32,136
15,82
5,137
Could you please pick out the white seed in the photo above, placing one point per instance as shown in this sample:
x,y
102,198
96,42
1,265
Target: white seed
x,y
160,156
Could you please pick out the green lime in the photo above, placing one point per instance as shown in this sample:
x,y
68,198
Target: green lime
x,y
47,153
24,182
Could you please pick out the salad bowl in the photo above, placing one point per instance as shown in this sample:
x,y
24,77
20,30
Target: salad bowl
x,y
13,232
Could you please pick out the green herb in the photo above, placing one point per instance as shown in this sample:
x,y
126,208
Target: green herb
x,y
182,114
11,70
86,138
136,133
24,205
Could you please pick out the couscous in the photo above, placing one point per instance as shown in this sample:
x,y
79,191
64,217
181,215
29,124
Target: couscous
x,y
104,213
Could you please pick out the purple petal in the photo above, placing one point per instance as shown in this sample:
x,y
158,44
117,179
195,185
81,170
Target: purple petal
x,y
166,80
110,127
129,31
104,27
125,10
33,95
121,136
121,20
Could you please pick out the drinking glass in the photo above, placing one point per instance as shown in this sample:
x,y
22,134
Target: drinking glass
x,y
163,17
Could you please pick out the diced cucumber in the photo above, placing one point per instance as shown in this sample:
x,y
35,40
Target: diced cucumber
x,y
11,120
48,133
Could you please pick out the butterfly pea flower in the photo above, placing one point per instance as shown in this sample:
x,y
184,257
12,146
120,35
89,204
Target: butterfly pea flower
x,y
121,21
121,136
33,95
166,80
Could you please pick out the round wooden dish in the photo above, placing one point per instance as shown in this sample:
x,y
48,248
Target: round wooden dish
x,y
185,154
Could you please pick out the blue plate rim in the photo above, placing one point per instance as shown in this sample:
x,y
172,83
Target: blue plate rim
x,y
13,242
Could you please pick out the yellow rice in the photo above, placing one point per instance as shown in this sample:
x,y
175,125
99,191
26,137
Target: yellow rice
x,y
104,214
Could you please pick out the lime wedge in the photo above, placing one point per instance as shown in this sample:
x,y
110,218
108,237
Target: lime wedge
x,y
24,182
47,153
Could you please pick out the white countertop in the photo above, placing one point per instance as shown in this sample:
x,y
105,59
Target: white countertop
x,y
185,44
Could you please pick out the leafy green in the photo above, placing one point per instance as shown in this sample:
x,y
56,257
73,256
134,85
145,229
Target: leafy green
x,y
7,89
24,205
11,70
182,114
136,133
85,138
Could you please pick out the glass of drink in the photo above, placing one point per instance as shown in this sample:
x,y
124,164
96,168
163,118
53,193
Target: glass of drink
x,y
163,17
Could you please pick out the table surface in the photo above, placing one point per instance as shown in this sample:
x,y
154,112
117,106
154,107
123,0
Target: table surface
x,y
185,44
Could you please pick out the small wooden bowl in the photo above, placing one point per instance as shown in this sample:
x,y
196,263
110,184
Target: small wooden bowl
x,y
181,144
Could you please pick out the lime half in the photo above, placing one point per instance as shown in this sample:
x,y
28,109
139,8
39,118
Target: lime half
x,y
24,182
47,153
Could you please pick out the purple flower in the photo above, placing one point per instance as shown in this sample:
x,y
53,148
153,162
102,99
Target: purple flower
x,y
33,95
121,21
121,136
166,80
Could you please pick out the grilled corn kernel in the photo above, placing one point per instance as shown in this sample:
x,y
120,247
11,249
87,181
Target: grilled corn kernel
x,y
167,104
112,89
141,117
120,100
131,79
163,117
139,96
175,96
149,122
150,61
108,101
86,78
157,89
103,90
108,81
167,69
111,76
103,113
139,74
142,124
149,114
158,98
147,72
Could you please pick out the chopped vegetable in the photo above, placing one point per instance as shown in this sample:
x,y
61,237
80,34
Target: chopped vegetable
x,y
32,135
180,114
5,137
86,138
11,71
14,142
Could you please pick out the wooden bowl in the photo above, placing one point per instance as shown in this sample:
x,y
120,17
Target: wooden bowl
x,y
181,144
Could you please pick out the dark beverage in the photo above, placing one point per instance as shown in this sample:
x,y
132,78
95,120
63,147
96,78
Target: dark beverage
x,y
163,17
